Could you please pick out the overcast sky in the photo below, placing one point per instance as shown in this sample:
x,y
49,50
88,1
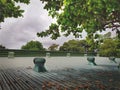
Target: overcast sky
x,y
17,32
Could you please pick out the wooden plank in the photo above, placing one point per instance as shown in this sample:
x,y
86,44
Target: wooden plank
x,y
19,80
52,77
27,79
5,82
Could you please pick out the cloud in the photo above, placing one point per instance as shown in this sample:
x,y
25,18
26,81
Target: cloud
x,y
17,32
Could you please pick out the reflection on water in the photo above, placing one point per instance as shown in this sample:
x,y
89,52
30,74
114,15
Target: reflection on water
x,y
55,63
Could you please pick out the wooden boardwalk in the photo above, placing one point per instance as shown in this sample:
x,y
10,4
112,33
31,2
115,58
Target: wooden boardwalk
x,y
17,74
68,79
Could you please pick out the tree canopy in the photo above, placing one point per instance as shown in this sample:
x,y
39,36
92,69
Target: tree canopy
x,y
8,8
33,45
110,47
74,16
74,45
53,47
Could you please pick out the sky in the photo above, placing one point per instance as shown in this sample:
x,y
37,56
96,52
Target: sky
x,y
16,32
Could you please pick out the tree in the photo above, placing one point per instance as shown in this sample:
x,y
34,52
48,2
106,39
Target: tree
x,y
94,41
33,45
91,45
53,47
74,16
73,45
117,40
8,8
2,47
109,47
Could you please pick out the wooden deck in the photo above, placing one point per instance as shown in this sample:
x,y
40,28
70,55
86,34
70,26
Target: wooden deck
x,y
66,79
17,74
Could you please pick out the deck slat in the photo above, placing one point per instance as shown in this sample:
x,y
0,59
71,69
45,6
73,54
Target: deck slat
x,y
26,79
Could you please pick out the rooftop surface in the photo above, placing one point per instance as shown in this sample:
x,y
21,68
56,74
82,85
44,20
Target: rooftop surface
x,y
63,73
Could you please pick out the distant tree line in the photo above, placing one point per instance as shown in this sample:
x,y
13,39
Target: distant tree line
x,y
33,45
104,45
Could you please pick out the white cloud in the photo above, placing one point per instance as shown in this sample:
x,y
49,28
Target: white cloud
x,y
17,32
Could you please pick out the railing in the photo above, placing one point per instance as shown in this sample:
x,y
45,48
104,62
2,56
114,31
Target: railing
x,y
30,53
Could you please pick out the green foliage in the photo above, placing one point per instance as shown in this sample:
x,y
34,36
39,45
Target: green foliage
x,y
33,45
53,47
90,43
74,45
117,40
8,8
94,40
53,29
74,16
110,47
